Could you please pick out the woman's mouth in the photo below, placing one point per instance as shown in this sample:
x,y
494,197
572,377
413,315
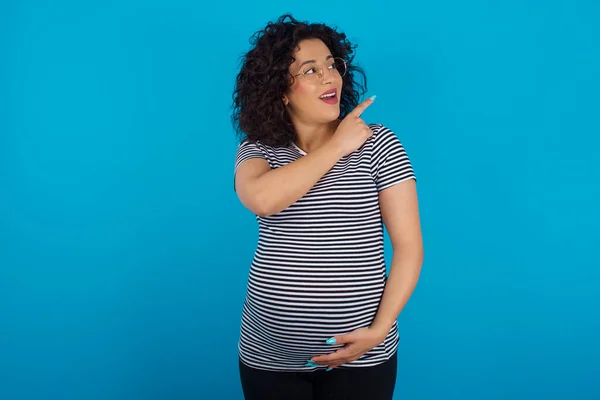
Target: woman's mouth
x,y
329,97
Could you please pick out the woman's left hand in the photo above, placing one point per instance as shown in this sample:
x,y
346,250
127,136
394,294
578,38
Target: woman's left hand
x,y
356,343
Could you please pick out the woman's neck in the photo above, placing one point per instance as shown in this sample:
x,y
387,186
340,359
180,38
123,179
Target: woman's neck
x,y
311,137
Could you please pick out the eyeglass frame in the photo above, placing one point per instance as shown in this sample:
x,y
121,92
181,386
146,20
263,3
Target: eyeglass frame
x,y
321,69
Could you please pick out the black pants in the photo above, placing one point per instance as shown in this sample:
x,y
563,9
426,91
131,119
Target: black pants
x,y
364,383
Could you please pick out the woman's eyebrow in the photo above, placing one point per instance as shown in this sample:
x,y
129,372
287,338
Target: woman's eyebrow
x,y
312,61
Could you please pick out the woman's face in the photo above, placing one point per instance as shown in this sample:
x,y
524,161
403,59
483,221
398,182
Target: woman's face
x,y
304,99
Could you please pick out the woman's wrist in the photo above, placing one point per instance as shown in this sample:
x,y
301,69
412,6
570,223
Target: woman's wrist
x,y
380,331
335,147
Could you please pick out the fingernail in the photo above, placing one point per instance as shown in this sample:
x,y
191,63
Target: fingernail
x,y
309,365
373,97
328,369
330,341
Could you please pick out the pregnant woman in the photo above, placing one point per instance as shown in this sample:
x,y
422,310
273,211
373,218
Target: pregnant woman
x,y
320,316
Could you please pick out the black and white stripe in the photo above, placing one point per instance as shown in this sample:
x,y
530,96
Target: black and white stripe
x,y
319,269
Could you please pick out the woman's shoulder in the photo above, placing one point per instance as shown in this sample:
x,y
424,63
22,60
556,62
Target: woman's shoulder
x,y
257,143
273,154
247,144
381,132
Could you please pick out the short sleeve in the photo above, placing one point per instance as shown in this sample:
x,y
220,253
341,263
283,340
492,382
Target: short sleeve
x,y
390,164
245,151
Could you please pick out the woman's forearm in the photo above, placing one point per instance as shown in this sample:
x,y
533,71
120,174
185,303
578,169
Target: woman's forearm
x,y
277,189
402,280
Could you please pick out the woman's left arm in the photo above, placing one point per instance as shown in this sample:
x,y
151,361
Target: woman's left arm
x,y
400,213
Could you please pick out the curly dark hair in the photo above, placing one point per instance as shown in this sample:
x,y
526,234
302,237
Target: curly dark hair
x,y
258,110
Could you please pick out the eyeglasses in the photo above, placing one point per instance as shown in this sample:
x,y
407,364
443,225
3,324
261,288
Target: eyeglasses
x,y
313,72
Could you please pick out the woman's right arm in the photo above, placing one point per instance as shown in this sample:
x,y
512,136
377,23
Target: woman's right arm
x,y
266,192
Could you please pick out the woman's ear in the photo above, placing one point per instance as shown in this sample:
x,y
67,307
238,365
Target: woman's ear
x,y
285,100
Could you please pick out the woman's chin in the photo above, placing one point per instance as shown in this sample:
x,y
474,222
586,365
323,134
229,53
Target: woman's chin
x,y
330,116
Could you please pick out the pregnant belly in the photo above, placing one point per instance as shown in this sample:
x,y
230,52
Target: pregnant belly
x,y
289,320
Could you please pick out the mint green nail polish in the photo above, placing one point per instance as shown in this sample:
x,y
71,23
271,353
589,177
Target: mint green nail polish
x,y
310,365
330,341
373,97
328,369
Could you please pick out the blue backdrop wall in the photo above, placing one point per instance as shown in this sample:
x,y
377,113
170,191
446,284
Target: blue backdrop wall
x,y
124,251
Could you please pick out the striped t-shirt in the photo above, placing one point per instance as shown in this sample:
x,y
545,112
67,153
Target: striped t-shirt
x,y
319,268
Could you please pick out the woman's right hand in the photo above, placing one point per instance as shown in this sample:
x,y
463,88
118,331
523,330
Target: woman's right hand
x,y
352,132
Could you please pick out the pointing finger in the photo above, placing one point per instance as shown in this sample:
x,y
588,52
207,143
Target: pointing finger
x,y
363,106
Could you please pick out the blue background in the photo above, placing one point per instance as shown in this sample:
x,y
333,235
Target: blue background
x,y
124,251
